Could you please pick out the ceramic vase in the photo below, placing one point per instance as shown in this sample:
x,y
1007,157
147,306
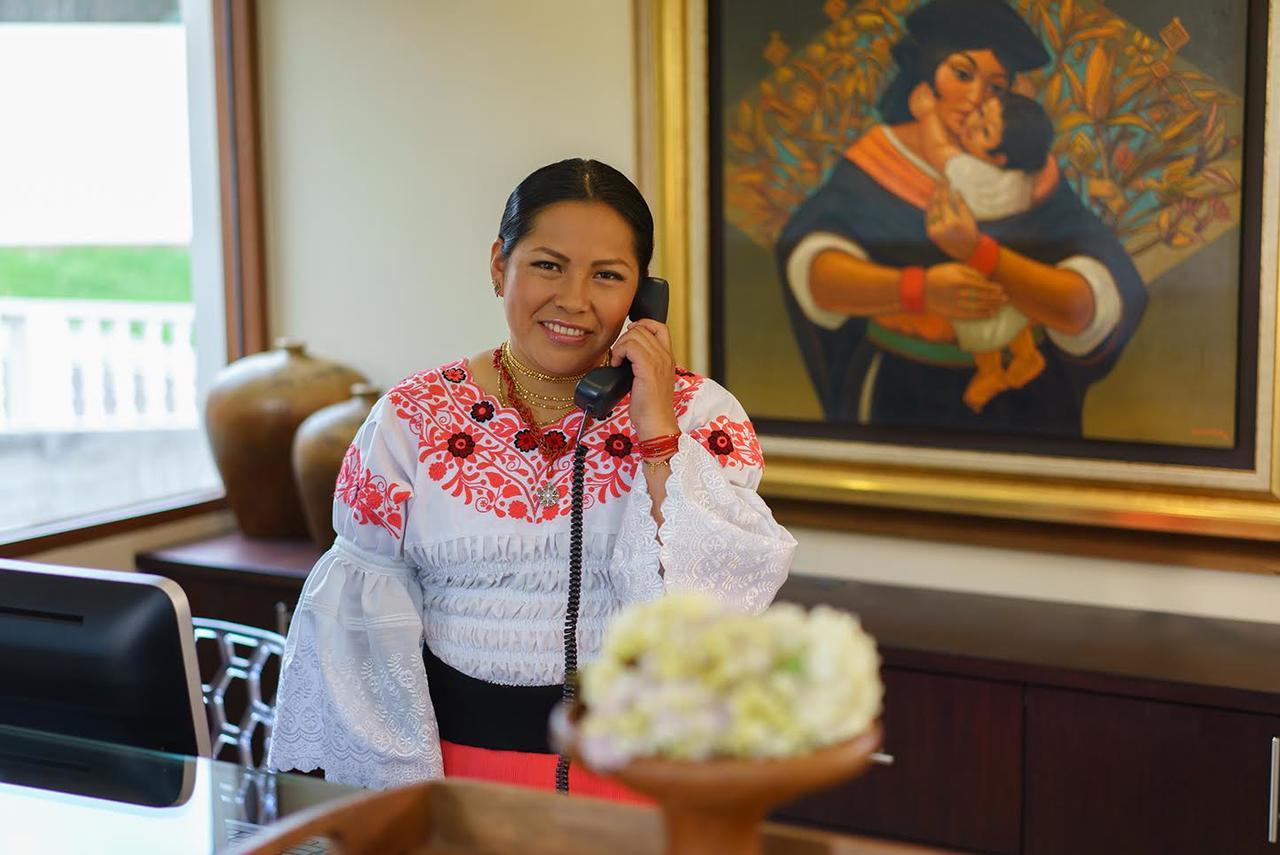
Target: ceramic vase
x,y
318,448
252,412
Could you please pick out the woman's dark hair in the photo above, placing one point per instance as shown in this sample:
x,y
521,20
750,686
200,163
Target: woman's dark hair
x,y
1028,133
577,180
943,27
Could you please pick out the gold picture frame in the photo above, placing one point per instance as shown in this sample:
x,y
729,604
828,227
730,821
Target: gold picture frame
x,y
673,164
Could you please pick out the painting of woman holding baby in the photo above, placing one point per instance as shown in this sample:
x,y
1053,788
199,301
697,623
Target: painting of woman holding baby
x,y
945,275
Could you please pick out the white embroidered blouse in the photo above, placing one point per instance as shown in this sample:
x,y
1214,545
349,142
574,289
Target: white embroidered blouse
x,y
441,538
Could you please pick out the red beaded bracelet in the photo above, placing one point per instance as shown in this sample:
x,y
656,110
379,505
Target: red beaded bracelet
x,y
659,446
985,256
911,289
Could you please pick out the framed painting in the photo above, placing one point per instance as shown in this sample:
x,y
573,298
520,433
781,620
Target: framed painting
x,y
1013,258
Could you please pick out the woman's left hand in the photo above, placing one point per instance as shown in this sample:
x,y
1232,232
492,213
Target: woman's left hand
x,y
950,224
647,346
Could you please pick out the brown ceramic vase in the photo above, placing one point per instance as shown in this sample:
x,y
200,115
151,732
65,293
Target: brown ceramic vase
x,y
318,448
252,412
716,807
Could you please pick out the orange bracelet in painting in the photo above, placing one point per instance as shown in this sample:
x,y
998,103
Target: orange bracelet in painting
x,y
985,256
911,289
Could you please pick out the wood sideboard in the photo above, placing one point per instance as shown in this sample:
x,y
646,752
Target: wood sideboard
x,y
1015,726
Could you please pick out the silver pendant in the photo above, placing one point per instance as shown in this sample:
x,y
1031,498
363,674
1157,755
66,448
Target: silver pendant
x,y
548,496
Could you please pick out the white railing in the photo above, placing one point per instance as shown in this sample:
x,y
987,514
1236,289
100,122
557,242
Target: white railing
x,y
91,365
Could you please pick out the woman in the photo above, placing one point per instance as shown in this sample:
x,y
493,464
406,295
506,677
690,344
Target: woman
x,y
452,514
883,257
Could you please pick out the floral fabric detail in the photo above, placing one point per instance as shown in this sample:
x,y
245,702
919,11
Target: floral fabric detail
x,y
489,463
373,499
526,441
553,442
461,444
618,445
732,443
718,442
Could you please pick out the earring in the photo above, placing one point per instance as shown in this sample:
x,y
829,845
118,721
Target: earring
x,y
497,288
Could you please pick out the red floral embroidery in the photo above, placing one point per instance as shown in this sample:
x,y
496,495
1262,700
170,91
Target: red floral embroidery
x,y
618,445
489,464
526,441
461,444
733,443
552,442
482,411
373,499
718,442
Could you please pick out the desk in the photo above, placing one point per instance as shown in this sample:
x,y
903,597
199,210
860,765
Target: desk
x,y
63,794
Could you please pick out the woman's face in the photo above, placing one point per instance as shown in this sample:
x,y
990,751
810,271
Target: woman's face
x,y
567,285
964,80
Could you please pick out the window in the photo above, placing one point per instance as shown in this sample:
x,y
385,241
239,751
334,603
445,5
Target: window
x,y
111,286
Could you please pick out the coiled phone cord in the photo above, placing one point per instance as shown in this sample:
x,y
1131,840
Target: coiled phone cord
x,y
575,590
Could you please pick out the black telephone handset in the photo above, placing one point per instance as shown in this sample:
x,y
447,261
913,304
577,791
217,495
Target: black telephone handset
x,y
597,393
602,388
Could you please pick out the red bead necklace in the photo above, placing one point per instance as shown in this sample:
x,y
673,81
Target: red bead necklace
x,y
550,450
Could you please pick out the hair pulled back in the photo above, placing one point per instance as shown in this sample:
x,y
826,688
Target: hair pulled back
x,y
577,180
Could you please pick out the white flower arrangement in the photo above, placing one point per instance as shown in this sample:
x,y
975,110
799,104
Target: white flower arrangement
x,y
683,677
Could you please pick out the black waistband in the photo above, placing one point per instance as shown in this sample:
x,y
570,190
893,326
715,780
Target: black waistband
x,y
470,711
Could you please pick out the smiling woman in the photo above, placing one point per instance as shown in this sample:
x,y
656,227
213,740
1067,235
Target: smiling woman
x,y
454,525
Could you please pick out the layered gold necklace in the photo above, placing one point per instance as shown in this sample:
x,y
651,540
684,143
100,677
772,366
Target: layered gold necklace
x,y
513,393
516,369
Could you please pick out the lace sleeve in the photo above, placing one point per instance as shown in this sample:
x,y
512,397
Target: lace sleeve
x,y
717,535
353,696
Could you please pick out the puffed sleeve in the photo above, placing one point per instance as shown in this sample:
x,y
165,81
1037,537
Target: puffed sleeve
x,y
353,695
717,534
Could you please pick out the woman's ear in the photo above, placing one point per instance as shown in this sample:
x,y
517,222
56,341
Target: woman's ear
x,y
497,266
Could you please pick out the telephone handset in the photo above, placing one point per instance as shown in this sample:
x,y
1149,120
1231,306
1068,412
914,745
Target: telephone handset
x,y
602,388
597,393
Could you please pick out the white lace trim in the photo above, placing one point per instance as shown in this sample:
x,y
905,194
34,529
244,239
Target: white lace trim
x,y
635,569
353,696
719,537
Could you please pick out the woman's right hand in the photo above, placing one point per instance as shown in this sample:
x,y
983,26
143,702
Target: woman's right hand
x,y
955,290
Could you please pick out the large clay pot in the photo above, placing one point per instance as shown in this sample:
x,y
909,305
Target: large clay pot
x,y
318,448
716,806
253,409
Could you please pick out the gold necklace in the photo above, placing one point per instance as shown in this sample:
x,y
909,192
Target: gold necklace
x,y
510,360
549,401
556,404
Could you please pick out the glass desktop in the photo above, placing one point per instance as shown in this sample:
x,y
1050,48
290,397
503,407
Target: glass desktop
x,y
65,794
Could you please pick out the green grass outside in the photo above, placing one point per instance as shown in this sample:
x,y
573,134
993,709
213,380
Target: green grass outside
x,y
159,274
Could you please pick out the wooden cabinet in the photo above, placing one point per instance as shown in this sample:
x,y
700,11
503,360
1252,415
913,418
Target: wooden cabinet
x,y
1051,729
1110,774
231,577
956,775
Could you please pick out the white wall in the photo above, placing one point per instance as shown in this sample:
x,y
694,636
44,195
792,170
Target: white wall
x,y
393,132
